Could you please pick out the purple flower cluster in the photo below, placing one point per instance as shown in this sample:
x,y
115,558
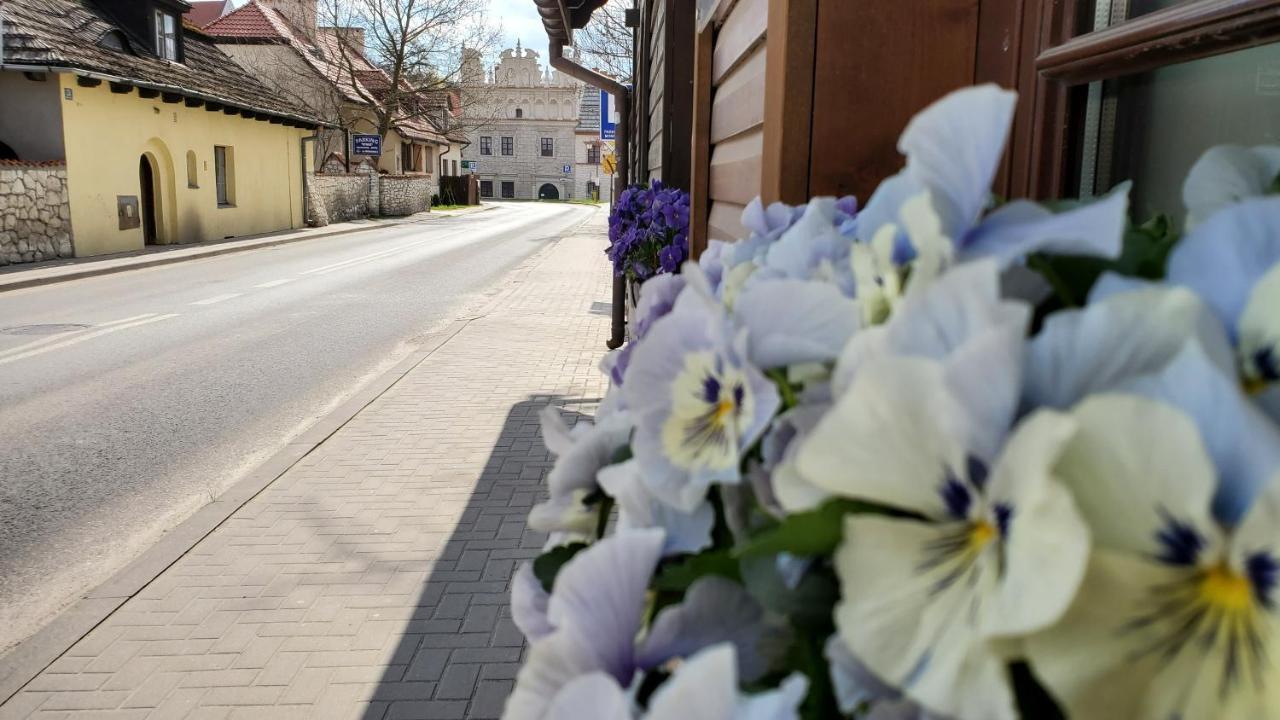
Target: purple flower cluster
x,y
649,231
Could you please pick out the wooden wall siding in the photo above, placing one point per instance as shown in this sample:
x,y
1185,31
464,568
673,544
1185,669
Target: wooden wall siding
x,y
743,30
909,54
657,71
739,100
737,116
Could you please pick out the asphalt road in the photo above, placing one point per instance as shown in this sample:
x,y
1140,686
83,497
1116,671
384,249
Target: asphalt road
x,y
128,401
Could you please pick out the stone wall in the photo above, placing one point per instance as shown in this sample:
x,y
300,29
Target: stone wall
x,y
338,198
35,217
406,194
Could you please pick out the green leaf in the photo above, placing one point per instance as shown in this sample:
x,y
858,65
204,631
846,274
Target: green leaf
x,y
816,532
621,455
678,576
547,565
809,604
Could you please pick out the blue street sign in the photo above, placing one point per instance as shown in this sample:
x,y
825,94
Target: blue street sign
x,y
608,117
366,144
567,169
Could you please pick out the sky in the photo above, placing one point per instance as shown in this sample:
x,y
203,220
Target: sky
x,y
519,20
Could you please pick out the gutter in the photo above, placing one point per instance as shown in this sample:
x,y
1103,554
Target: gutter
x,y
558,61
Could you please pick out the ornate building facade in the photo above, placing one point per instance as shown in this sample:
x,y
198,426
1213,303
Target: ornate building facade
x,y
525,145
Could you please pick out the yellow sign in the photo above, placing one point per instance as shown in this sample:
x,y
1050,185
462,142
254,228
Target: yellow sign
x,y
609,164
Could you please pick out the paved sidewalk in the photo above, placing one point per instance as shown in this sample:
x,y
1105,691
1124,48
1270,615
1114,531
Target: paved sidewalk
x,y
371,580
13,277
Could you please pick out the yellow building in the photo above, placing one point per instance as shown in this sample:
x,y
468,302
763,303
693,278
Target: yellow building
x,y
164,138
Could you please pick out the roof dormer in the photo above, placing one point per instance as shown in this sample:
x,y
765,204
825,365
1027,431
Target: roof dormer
x,y
156,22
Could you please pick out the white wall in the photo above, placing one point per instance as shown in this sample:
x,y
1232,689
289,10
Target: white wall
x,y
31,117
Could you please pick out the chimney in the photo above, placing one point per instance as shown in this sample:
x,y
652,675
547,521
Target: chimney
x,y
353,37
300,13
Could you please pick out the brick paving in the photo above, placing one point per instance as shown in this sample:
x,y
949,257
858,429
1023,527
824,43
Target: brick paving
x,y
370,581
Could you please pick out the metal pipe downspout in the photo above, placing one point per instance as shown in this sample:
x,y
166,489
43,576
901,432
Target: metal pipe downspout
x,y
555,50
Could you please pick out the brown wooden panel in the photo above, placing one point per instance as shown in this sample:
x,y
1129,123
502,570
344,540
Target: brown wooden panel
x,y
743,29
908,55
725,222
699,165
788,101
735,168
678,94
739,100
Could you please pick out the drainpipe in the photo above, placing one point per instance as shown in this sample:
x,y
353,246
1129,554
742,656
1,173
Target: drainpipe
x,y
623,96
306,200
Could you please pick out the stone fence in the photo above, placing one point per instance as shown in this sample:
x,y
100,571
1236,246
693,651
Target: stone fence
x,y
337,197
35,217
406,194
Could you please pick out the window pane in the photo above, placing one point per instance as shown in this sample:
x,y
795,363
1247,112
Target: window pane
x,y
1165,119
220,174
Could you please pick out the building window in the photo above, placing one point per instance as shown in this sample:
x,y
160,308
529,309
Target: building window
x,y
593,154
406,157
486,188
519,112
193,180
548,147
507,146
166,35
508,189
1101,115
224,171
486,145
455,167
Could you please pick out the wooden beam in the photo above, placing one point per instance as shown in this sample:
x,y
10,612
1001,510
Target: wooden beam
x,y
276,120
193,102
229,110
119,88
148,93
171,98
83,81
246,113
788,100
700,170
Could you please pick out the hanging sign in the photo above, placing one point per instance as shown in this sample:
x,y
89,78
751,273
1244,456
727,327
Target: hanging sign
x,y
366,145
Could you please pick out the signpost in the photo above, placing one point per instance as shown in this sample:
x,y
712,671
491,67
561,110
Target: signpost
x,y
567,169
469,165
608,117
609,164
366,145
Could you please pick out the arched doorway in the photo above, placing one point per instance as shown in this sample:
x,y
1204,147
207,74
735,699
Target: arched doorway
x,y
548,192
7,153
147,199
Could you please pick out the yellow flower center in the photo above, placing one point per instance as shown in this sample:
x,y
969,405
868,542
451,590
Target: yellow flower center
x,y
1254,386
723,409
981,534
1225,589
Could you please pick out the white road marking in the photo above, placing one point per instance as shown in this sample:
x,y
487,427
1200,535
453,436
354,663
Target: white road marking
x,y
64,336
81,337
344,264
275,283
217,299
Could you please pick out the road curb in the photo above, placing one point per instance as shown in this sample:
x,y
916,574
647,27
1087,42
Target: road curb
x,y
213,251
33,655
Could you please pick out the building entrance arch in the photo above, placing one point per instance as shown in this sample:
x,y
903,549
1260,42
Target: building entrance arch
x,y
548,192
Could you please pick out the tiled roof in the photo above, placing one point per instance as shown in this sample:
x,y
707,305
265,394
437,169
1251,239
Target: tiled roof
x,y
203,12
360,81
251,21
65,34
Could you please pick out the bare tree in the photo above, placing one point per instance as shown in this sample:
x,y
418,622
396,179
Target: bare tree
x,y
606,42
417,45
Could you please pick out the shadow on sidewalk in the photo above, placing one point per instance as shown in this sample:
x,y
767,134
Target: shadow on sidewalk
x,y
460,648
